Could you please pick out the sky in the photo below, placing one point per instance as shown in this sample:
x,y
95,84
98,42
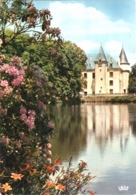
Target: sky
x,y
92,23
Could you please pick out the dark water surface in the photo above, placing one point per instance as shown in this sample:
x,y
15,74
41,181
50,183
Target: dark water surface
x,y
104,136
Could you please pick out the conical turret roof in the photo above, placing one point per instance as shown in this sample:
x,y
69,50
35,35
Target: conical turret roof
x,y
123,57
101,55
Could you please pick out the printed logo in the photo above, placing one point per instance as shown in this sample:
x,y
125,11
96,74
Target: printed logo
x,y
123,188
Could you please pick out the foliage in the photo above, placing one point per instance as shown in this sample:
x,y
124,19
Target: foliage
x,y
23,17
123,99
69,70
25,127
62,64
25,163
132,80
69,181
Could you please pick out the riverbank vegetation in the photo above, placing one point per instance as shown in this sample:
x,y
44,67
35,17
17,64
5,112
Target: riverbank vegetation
x,y
35,69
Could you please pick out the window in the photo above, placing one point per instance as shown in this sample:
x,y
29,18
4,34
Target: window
x,y
111,83
85,75
124,90
111,91
85,93
111,74
93,75
100,63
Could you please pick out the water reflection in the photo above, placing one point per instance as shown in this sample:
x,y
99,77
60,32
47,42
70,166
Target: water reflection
x,y
70,131
104,135
108,121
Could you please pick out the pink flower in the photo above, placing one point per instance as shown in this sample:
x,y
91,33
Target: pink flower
x,y
22,110
4,67
29,123
21,134
49,160
13,71
44,155
1,93
31,118
53,51
5,140
48,145
18,144
41,105
16,59
23,117
17,81
3,112
57,31
32,112
22,72
51,125
49,152
4,83
38,83
8,90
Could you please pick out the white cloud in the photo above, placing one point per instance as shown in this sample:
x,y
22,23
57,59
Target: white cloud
x,y
89,27
74,19
113,47
88,46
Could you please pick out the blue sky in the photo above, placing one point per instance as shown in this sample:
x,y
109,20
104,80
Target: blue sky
x,y
90,23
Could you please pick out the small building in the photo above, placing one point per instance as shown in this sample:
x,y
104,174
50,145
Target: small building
x,y
103,75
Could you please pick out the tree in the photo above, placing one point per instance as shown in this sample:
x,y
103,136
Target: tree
x,y
132,80
70,68
22,17
62,64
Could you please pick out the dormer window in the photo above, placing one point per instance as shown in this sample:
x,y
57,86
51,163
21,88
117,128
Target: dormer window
x,y
100,63
111,63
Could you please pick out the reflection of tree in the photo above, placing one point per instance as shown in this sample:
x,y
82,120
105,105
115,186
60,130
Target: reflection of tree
x,y
132,118
106,123
70,127
133,127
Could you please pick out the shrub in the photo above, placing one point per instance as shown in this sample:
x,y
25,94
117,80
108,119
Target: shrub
x,y
25,158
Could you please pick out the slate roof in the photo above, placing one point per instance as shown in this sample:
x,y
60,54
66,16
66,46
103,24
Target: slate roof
x,y
123,57
101,55
90,63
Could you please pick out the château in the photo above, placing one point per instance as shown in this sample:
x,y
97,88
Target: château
x,y
103,75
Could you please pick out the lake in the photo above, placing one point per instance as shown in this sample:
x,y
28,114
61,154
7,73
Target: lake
x,y
104,136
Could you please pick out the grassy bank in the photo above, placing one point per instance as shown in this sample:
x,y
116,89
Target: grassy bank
x,y
112,99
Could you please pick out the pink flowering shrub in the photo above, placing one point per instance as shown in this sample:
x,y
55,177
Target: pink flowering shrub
x,y
26,166
25,128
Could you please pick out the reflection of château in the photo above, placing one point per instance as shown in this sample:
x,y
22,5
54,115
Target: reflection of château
x,y
107,122
104,75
